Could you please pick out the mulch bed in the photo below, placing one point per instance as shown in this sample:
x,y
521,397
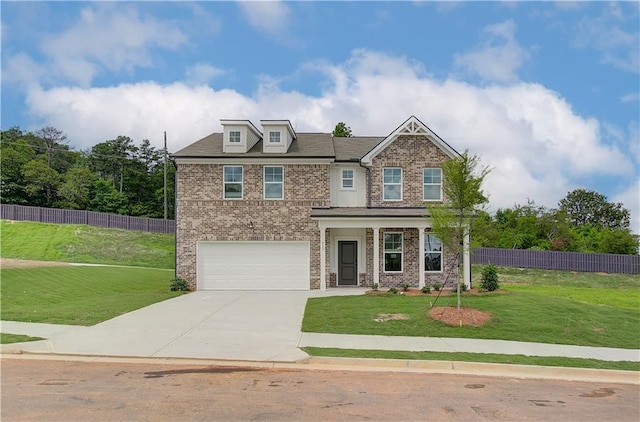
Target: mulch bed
x,y
455,317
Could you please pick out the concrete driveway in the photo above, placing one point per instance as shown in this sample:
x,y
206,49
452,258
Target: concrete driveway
x,y
235,325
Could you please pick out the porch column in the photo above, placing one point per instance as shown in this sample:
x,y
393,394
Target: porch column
x,y
466,259
376,255
323,259
421,256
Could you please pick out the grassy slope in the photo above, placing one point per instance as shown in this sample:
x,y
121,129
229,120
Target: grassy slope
x,y
87,244
80,295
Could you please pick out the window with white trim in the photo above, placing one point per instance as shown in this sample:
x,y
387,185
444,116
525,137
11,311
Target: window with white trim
x,y
234,136
273,182
348,178
432,184
392,184
432,253
232,181
392,252
274,137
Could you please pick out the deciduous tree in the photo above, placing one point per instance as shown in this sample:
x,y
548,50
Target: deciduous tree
x,y
462,188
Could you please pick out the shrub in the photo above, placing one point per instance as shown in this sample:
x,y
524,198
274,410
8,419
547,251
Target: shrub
x,y
374,286
489,279
393,290
179,284
405,287
463,286
437,286
426,289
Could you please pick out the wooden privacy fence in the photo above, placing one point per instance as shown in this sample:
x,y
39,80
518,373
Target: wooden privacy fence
x,y
552,260
99,219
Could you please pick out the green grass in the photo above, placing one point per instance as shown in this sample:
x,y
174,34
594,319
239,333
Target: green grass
x,y
616,298
532,276
561,307
519,316
16,338
86,244
476,357
80,295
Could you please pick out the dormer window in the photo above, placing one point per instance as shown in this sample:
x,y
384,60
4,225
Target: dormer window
x,y
274,137
234,136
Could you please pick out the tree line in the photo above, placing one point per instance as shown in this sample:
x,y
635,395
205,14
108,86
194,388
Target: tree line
x,y
583,221
116,176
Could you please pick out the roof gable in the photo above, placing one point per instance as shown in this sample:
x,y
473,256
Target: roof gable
x,y
411,126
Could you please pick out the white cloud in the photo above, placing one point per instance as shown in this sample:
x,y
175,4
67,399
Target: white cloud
x,y
631,200
630,98
271,17
607,34
538,146
498,58
202,73
107,38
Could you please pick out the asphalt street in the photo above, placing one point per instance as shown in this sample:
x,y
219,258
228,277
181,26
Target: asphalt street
x,y
56,390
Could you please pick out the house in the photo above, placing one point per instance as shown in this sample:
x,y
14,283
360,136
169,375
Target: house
x,y
270,208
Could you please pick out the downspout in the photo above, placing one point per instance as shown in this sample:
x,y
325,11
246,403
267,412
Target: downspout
x,y
368,169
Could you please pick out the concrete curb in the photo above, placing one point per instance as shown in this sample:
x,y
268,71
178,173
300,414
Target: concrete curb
x,y
492,370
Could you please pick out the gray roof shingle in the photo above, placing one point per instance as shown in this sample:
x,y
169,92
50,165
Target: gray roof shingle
x,y
354,148
306,145
368,212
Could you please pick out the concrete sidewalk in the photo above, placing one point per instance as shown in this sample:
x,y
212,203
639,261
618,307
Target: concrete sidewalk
x,y
458,345
260,326
68,339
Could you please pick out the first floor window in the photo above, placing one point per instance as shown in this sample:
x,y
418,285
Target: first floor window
x,y
432,253
392,184
393,252
273,182
432,184
232,182
234,136
347,179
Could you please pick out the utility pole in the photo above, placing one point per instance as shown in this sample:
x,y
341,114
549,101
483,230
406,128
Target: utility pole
x,y
165,176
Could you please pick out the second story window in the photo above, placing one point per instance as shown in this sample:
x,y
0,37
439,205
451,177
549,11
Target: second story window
x,y
273,182
432,184
232,181
392,184
274,137
234,136
347,179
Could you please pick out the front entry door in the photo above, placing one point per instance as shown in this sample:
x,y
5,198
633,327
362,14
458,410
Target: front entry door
x,y
347,263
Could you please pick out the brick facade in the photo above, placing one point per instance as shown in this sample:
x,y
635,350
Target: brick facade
x,y
204,216
412,153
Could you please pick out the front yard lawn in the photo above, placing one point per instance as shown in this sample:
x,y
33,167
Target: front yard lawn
x,y
80,295
520,314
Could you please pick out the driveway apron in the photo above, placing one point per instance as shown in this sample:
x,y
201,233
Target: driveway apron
x,y
243,325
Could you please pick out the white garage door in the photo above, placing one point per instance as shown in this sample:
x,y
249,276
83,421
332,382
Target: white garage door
x,y
253,265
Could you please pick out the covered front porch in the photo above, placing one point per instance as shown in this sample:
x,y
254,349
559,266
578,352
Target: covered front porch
x,y
381,246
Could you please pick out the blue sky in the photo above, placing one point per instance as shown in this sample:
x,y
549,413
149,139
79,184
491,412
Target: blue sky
x,y
546,93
